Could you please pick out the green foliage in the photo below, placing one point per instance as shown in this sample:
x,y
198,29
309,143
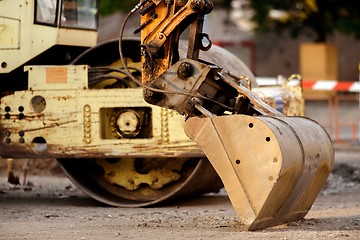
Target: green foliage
x,y
110,6
322,16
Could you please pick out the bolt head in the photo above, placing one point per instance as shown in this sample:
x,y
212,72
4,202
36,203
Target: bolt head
x,y
184,70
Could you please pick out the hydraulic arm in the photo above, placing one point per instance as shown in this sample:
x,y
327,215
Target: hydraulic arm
x,y
272,166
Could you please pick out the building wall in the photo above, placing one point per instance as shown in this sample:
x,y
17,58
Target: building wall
x,y
280,55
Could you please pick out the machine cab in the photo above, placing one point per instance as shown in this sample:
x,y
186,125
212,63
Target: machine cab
x,y
67,13
30,28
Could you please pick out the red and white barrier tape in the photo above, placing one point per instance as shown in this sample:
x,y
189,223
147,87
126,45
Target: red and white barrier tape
x,y
330,85
318,85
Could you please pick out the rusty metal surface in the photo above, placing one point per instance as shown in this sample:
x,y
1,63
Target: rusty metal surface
x,y
151,26
272,168
123,173
66,121
286,97
285,101
253,98
62,126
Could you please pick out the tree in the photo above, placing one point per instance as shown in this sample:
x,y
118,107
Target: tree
x,y
110,6
323,17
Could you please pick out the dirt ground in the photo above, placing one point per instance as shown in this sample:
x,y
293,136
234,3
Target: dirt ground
x,y
51,207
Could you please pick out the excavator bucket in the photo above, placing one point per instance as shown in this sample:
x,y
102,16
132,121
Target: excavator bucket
x,y
272,168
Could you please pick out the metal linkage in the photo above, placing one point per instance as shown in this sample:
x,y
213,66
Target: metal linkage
x,y
255,101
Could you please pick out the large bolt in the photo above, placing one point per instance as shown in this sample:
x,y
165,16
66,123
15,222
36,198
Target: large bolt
x,y
181,3
184,70
151,96
196,5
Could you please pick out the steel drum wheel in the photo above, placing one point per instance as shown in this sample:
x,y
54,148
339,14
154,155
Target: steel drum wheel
x,y
197,176
197,179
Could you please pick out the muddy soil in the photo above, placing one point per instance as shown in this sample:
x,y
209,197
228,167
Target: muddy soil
x,y
49,206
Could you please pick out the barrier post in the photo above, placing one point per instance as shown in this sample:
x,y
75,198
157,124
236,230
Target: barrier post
x,y
358,95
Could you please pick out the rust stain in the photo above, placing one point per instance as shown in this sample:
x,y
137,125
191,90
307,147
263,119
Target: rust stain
x,y
50,126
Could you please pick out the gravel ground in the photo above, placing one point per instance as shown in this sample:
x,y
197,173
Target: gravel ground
x,y
51,207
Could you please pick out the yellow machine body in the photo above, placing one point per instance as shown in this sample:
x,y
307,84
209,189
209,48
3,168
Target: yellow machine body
x,y
28,28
